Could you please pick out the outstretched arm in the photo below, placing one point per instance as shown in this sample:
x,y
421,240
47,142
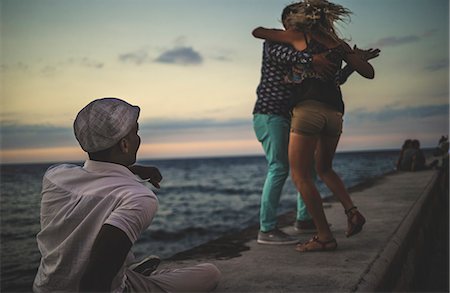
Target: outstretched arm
x,y
286,54
368,54
357,63
292,37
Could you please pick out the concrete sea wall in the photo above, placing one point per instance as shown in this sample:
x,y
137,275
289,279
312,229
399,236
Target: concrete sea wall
x,y
403,244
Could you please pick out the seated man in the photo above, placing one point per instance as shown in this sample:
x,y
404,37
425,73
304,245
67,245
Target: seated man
x,y
92,215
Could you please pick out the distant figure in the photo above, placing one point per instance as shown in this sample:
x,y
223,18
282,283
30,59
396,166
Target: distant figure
x,y
316,124
92,215
442,151
443,139
419,161
407,144
413,158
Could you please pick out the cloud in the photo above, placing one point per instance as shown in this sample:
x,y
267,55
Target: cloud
x,y
222,56
180,41
394,41
137,57
20,136
49,70
194,130
178,53
180,56
390,126
18,66
390,113
91,63
438,65
183,124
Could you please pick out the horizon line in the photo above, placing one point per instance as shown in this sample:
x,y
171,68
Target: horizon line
x,y
201,157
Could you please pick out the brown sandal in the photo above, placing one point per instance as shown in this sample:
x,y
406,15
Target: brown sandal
x,y
355,221
310,246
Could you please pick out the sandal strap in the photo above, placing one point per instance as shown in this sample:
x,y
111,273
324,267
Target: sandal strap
x,y
323,243
347,212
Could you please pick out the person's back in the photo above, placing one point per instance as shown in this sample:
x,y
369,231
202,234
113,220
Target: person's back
x,y
412,160
76,203
407,159
273,92
312,86
92,215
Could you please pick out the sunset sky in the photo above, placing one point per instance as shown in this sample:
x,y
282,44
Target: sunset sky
x,y
193,67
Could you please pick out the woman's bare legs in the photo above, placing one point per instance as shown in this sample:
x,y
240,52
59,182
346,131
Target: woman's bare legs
x,y
326,148
301,158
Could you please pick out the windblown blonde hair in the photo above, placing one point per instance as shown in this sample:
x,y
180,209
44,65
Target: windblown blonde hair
x,y
316,16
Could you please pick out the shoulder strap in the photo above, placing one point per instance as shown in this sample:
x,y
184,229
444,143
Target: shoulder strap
x,y
306,39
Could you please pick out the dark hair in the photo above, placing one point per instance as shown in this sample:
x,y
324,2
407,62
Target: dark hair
x,y
288,10
406,144
415,143
102,155
315,15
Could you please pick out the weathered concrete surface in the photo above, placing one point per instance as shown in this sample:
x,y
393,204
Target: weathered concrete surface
x,y
392,206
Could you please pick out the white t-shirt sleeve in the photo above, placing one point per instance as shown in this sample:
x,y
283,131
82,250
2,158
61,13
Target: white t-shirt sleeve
x,y
134,214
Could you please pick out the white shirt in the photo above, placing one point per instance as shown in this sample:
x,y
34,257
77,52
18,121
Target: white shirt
x,y
76,202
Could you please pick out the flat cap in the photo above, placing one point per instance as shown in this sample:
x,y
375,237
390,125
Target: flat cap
x,y
103,123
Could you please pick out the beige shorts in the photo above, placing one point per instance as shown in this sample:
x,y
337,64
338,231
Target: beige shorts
x,y
315,118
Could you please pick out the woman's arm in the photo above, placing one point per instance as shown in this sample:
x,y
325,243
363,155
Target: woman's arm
x,y
368,54
357,63
293,37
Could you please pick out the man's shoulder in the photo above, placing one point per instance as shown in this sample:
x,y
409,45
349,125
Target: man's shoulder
x,y
57,168
277,45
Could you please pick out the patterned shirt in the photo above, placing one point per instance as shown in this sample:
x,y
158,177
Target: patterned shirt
x,y
273,93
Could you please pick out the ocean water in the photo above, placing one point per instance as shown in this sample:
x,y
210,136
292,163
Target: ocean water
x,y
200,200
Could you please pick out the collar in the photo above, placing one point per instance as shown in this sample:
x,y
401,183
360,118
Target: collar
x,y
111,168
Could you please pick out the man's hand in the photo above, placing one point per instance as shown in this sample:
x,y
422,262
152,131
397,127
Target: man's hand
x,y
149,173
322,65
366,54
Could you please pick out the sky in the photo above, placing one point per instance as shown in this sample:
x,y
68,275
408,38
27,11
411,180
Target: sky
x,y
193,68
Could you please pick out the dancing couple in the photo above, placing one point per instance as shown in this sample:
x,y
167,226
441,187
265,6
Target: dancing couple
x,y
298,117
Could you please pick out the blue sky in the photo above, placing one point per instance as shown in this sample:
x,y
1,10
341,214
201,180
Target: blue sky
x,y
193,67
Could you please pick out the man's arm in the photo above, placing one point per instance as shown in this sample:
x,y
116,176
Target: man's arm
x,y
284,54
149,173
294,55
366,55
288,36
108,255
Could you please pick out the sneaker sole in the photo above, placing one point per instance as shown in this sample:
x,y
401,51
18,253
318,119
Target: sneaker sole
x,y
148,264
268,242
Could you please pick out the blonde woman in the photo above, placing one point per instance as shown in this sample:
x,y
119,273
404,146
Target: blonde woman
x,y
317,116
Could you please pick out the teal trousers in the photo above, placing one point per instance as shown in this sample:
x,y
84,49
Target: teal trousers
x,y
273,133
